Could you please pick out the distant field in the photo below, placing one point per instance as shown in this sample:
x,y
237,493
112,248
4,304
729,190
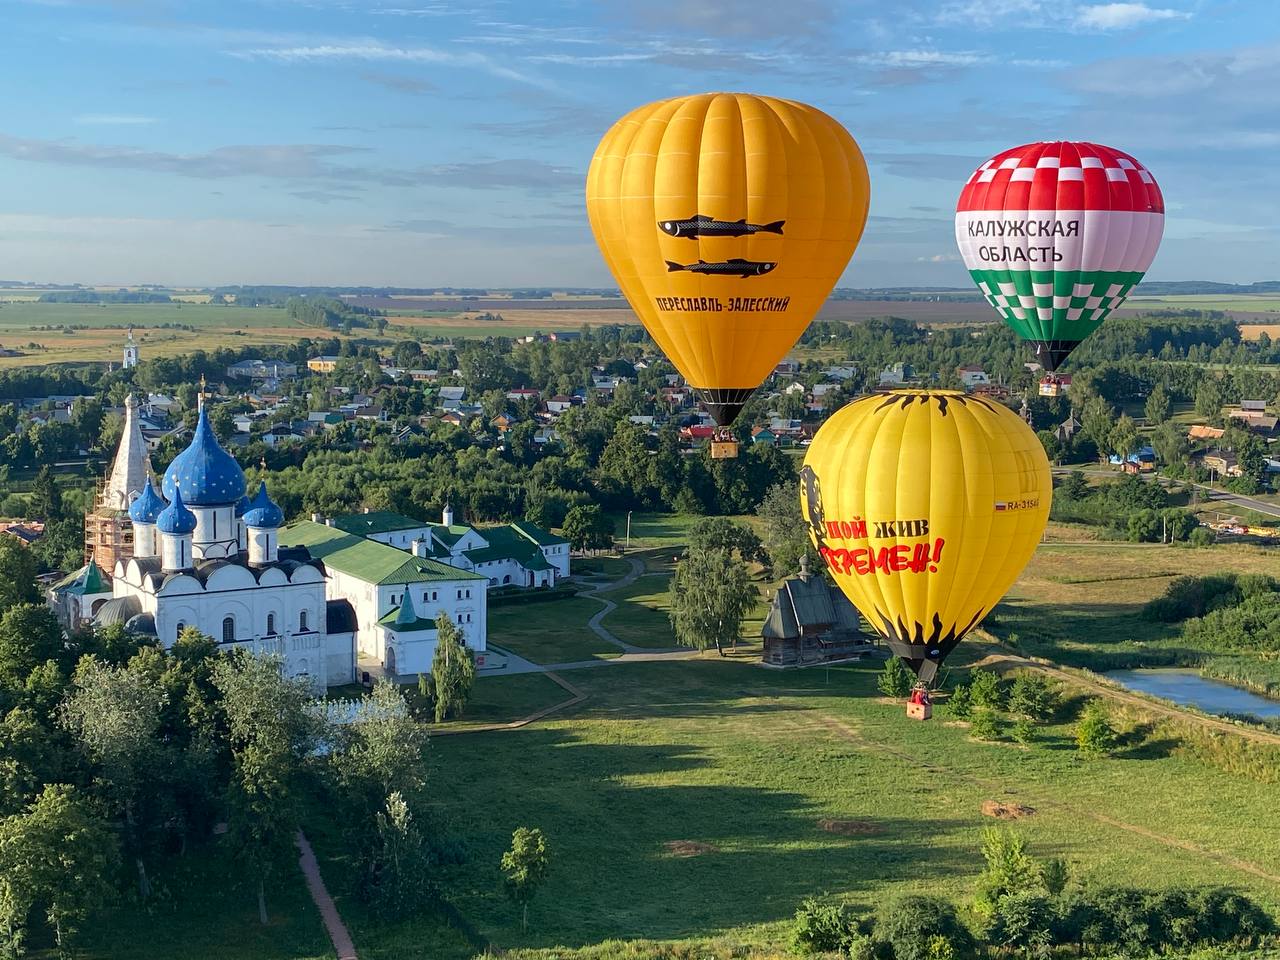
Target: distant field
x,y
1230,303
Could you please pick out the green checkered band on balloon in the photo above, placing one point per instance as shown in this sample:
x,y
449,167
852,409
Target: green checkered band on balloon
x,y
1048,305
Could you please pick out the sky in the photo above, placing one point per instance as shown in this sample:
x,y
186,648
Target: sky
x,y
428,143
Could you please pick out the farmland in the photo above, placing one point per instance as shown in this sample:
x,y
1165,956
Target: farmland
x,y
93,333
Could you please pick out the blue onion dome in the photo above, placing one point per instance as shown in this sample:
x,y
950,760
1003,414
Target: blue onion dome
x,y
176,518
263,512
242,506
147,507
210,476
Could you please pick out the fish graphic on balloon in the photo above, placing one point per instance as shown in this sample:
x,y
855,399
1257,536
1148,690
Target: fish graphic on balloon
x,y
736,267
703,226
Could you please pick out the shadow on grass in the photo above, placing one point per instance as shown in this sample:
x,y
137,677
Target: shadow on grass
x,y
611,810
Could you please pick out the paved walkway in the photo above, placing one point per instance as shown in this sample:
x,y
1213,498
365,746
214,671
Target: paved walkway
x,y
337,930
595,624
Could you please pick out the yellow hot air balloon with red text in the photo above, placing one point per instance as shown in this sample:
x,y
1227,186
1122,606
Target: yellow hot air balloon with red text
x,y
727,219
925,505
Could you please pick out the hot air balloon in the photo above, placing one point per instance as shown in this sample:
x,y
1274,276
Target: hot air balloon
x,y
726,219
1055,235
925,506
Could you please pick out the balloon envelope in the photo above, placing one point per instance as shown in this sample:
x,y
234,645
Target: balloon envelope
x,y
726,220
925,506
1055,235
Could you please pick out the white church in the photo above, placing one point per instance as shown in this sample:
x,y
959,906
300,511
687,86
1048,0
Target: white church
x,y
200,553
205,555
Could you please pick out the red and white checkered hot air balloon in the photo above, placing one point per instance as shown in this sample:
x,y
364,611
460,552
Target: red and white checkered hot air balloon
x,y
1055,235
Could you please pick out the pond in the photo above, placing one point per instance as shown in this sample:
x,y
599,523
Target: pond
x,y
1185,686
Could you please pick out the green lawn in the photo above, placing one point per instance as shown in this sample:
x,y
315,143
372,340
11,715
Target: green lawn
x,y
795,784
641,616
501,699
553,632
202,908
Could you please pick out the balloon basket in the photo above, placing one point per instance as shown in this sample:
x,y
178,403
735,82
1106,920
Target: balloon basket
x,y
920,707
919,711
1052,386
724,445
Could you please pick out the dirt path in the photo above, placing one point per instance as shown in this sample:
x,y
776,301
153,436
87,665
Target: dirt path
x,y
337,930
848,733
575,698
997,657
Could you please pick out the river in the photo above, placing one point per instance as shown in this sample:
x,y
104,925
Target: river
x,y
1185,686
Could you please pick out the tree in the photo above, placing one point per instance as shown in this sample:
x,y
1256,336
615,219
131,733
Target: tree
x,y
918,927
786,538
1096,421
453,669
380,751
985,688
1033,695
114,715
1157,406
1074,486
1009,868
1124,437
17,574
984,723
56,854
46,496
1094,734
29,635
960,703
396,864
895,679
524,868
1209,399
1022,921
586,527
711,593
271,733
721,533
821,928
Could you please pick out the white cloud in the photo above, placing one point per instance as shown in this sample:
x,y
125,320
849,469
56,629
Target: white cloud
x,y
923,58
373,51
1124,16
115,119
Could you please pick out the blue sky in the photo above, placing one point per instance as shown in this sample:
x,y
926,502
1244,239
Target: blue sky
x,y
421,143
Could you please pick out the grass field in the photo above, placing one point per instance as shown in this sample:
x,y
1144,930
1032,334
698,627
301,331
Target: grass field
x,y
785,785
203,908
1081,605
1236,303
641,616
553,632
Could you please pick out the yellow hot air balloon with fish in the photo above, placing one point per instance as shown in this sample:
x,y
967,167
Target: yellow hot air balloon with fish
x,y
727,219
925,505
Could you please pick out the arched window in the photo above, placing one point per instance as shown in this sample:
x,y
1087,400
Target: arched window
x,y
271,624
228,629
181,626
507,578
459,618
302,622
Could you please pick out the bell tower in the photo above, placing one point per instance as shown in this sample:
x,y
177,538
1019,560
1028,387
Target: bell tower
x,y
130,352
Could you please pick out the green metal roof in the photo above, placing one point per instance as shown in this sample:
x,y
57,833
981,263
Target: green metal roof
x,y
401,624
377,521
542,538
509,543
85,581
367,560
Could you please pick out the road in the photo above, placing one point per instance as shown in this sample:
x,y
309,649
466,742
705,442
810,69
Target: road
x,y
1212,493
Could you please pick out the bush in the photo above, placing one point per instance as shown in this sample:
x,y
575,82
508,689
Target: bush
x,y
1009,870
1094,734
1023,730
918,927
984,686
1022,921
896,680
1200,537
985,724
821,928
1034,696
960,703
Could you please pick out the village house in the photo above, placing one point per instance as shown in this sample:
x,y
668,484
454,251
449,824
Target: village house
x,y
1221,462
972,376
897,375
323,364
258,369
